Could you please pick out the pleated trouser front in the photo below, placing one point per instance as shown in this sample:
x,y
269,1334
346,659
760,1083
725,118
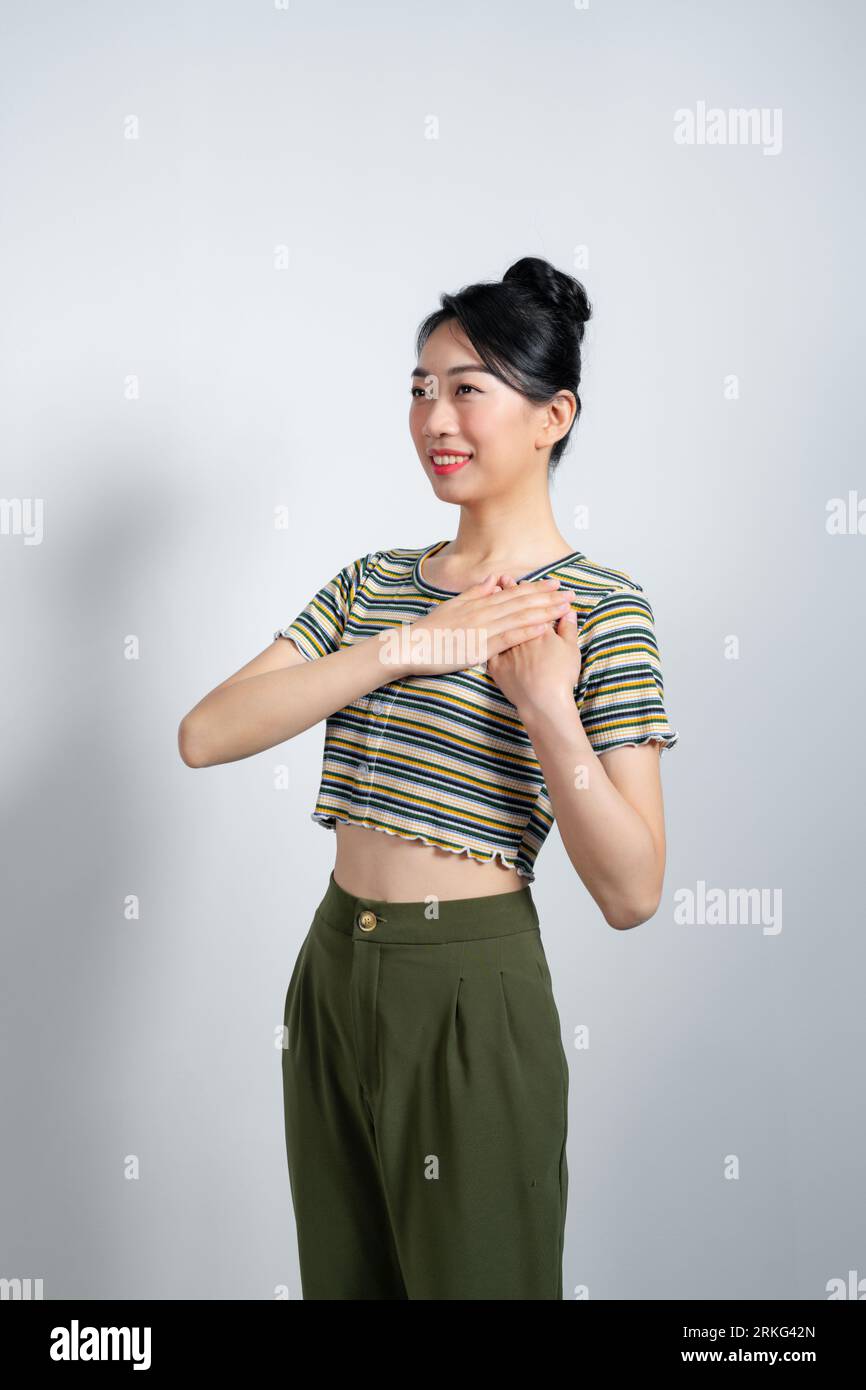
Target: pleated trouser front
x,y
426,1101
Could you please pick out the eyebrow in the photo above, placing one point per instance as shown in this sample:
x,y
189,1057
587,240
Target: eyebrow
x,y
454,371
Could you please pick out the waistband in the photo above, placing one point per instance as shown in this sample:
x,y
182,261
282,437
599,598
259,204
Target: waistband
x,y
458,919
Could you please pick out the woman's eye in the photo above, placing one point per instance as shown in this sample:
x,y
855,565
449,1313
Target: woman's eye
x,y
416,392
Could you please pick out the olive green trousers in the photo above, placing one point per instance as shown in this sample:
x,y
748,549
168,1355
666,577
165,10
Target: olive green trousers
x,y
425,1091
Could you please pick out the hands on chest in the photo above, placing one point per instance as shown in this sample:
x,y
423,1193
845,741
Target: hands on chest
x,y
522,630
542,669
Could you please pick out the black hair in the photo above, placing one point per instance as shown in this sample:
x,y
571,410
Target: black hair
x,y
527,328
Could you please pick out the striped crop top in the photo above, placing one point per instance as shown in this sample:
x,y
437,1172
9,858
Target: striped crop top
x,y
446,758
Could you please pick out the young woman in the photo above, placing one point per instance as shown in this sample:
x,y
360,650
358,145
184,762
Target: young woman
x,y
474,691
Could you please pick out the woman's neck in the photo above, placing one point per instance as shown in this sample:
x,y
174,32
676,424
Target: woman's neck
x,y
506,543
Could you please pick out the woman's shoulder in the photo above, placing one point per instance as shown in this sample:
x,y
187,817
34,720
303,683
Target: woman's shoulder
x,y
388,565
393,554
581,572
402,552
397,560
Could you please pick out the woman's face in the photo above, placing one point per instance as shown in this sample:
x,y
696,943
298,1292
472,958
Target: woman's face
x,y
459,408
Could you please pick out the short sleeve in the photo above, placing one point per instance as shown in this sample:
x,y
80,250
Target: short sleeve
x,y
318,629
620,691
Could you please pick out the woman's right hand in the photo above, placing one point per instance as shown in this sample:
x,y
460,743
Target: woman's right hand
x,y
479,623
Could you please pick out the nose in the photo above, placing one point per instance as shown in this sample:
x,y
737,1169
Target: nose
x,y
440,419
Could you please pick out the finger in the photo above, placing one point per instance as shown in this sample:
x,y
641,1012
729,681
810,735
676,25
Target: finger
x,y
482,587
515,635
518,608
528,586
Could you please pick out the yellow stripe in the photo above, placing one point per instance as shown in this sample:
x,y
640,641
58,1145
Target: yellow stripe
x,y
360,749
419,803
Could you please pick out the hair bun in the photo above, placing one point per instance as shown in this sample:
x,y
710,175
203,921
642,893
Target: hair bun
x,y
566,294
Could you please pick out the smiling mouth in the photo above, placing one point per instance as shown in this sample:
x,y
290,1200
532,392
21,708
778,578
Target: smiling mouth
x,y
449,463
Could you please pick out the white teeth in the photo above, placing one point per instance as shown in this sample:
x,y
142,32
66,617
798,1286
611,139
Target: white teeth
x,y
449,458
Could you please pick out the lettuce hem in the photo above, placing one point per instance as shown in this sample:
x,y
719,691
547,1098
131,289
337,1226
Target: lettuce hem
x,y
328,819
666,740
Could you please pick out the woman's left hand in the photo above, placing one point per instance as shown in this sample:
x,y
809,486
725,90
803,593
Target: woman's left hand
x,y
542,670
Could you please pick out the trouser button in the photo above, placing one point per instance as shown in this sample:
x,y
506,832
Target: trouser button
x,y
367,920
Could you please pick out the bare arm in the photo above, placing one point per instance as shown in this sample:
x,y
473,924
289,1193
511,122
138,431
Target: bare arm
x,y
275,696
611,817
280,693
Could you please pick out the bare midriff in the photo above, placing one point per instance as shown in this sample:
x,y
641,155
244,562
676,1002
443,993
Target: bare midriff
x,y
374,864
